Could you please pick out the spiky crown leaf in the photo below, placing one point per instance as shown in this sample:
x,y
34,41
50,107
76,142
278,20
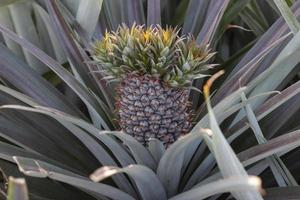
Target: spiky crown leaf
x,y
158,52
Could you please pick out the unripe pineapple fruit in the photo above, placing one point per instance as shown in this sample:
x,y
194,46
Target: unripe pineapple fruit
x,y
155,68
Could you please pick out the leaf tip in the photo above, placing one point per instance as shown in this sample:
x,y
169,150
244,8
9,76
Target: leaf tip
x,y
207,86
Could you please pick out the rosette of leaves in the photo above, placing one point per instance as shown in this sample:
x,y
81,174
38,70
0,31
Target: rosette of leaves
x,y
59,126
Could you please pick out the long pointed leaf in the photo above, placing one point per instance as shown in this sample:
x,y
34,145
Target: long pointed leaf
x,y
80,90
41,169
28,81
154,13
141,175
212,21
87,15
21,15
231,184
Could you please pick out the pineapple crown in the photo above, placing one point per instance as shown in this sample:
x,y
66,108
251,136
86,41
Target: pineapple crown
x,y
161,53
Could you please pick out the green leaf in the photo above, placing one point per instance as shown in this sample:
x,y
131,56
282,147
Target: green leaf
x,y
132,12
154,13
211,22
77,55
227,160
220,109
234,8
265,109
32,132
103,157
275,32
78,88
230,184
29,82
40,169
6,21
283,143
17,189
195,16
141,155
46,32
288,15
280,145
272,77
87,15
7,2
200,172
99,152
112,14
280,171
8,151
141,175
156,148
170,174
21,16
72,5
280,193
253,17
248,67
39,189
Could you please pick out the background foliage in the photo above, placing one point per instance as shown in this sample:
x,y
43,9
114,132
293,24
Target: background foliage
x,y
58,104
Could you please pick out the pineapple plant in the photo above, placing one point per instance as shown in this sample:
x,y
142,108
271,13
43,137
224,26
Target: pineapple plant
x,y
155,68
58,108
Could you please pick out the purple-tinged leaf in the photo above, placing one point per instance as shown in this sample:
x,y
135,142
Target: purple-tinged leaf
x,y
283,143
216,11
19,74
266,108
133,11
71,48
277,30
195,16
283,193
79,57
70,80
141,175
154,13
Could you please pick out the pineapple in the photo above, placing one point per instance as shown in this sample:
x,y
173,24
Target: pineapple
x,y
155,68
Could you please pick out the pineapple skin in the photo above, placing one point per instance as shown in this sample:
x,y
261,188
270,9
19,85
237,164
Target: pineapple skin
x,y
148,108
